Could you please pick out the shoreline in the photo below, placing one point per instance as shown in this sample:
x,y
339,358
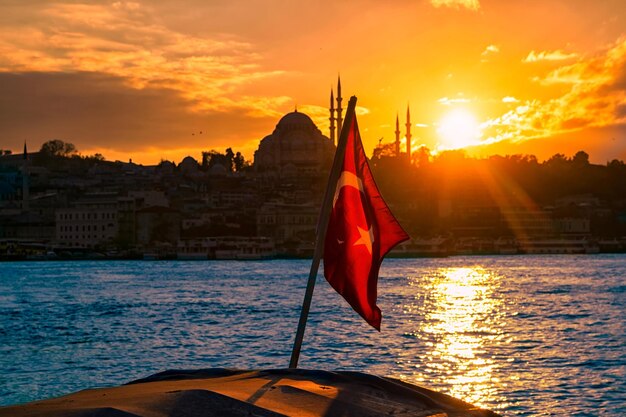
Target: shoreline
x,y
274,258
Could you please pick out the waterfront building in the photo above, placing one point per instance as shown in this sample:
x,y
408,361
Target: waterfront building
x,y
291,226
149,198
10,192
27,227
232,198
157,226
25,180
88,223
573,226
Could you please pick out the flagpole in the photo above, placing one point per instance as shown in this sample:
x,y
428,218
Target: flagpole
x,y
322,224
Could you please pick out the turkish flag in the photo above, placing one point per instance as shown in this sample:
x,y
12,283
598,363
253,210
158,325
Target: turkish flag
x,y
361,230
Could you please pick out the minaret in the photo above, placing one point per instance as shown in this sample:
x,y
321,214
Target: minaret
x,y
25,189
397,136
332,117
339,109
408,133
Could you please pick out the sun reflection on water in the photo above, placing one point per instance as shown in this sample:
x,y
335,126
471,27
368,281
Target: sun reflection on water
x,y
461,317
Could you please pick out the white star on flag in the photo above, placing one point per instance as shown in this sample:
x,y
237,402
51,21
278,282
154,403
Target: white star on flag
x,y
367,238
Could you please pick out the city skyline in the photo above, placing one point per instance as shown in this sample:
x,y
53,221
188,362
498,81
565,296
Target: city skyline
x,y
146,82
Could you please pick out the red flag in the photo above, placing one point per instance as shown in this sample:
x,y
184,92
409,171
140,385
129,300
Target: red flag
x,y
360,232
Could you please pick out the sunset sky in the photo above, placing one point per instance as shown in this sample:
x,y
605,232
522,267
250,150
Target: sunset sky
x,y
142,79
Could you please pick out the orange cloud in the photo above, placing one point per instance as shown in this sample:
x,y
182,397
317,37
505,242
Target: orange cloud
x,y
595,97
557,55
126,40
446,101
155,72
490,50
99,113
457,4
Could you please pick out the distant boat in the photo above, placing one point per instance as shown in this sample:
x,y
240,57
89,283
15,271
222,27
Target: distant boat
x,y
245,248
226,248
475,246
505,246
559,246
436,247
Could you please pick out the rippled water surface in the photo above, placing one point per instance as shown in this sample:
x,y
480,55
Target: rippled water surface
x,y
522,335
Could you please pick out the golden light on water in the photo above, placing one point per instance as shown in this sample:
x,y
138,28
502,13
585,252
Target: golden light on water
x,y
461,317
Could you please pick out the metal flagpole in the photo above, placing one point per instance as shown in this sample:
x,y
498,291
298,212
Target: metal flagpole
x,y
322,224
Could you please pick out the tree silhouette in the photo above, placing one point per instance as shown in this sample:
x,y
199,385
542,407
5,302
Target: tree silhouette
x,y
229,160
57,147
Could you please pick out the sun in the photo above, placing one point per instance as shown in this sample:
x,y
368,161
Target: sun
x,y
458,129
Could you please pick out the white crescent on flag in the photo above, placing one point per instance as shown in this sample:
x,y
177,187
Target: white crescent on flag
x,y
348,179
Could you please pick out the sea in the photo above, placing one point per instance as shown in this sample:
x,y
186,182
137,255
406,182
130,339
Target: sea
x,y
521,335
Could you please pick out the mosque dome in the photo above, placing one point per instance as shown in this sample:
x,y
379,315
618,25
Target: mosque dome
x,y
296,146
189,165
189,160
218,170
296,120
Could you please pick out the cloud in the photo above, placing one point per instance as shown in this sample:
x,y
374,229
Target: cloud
x,y
451,101
603,144
127,40
128,5
457,4
595,97
509,99
557,55
620,111
93,109
490,50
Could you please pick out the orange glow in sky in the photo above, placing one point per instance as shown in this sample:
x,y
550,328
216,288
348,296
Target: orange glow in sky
x,y
162,80
458,129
